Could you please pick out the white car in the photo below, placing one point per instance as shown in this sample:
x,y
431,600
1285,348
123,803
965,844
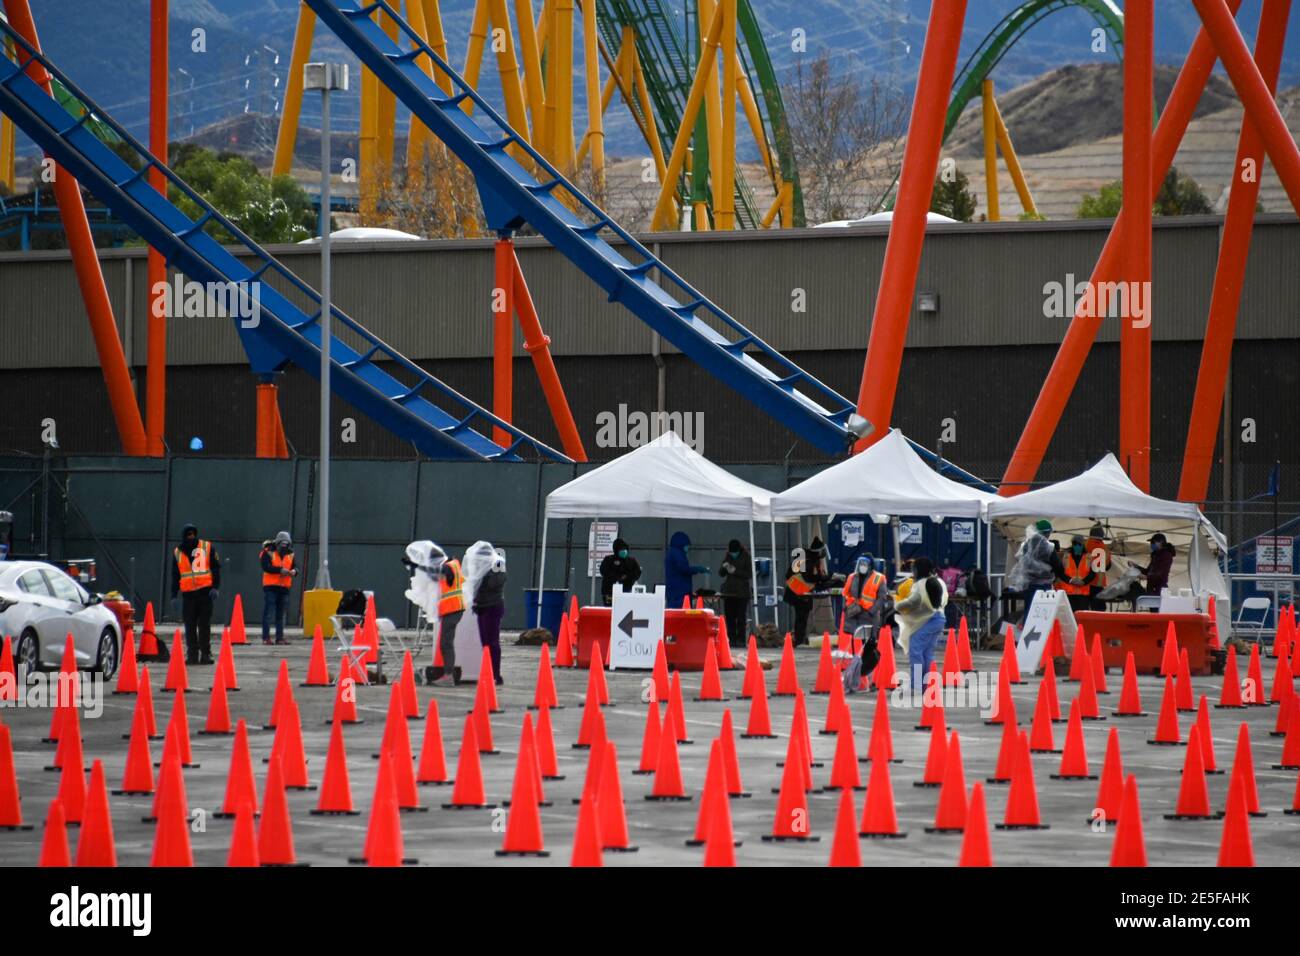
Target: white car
x,y
40,606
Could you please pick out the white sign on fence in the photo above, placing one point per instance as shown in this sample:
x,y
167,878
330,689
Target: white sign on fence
x,y
1274,554
636,626
1047,607
600,544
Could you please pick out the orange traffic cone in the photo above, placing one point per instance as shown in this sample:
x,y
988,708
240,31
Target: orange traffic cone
x,y
1006,704
1167,733
1193,795
528,756
668,771
596,685
1110,792
144,704
1184,696
723,642
678,708
609,805
787,679
1207,735
730,760
335,787
1089,709
753,669
523,836
318,672
1294,809
649,741
936,758
1055,642
283,694
238,635
487,683
243,840
564,643
9,673
950,814
796,750
171,842
1022,799
137,777
1041,738
720,850
711,681
885,674
844,771
1079,660
586,838
1002,773
468,792
1230,696
241,789
11,808
1130,701
226,664
975,848
1243,766
760,722
128,672
715,793
148,649
544,694
1098,665
845,850
95,846
178,678
1129,849
69,683
931,700
275,833
218,722
1252,694
660,686
293,757
1169,657
593,723
835,709
1290,759
72,780
1283,681
1074,759
1011,661
54,844
952,670
879,818
410,699
1235,847
433,761
882,738
791,821
345,697
1048,684
825,668
595,756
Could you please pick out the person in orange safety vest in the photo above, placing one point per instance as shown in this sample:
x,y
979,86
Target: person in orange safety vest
x,y
196,579
451,608
278,572
861,592
1076,575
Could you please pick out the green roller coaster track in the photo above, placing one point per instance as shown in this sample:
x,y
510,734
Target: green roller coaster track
x,y
668,71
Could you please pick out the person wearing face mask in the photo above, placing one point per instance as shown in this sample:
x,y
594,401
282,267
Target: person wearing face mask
x,y
678,570
921,616
862,593
618,567
489,608
736,573
1075,575
278,572
801,579
196,577
1035,568
1162,561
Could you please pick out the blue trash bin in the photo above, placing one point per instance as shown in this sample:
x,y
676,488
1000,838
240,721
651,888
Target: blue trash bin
x,y
552,608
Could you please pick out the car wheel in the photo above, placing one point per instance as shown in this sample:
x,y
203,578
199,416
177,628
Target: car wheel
x,y
27,658
106,658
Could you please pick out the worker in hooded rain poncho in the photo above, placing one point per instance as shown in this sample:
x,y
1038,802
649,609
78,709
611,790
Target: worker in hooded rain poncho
x,y
489,608
678,570
1037,565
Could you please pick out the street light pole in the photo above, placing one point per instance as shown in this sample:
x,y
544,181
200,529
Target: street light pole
x,y
325,77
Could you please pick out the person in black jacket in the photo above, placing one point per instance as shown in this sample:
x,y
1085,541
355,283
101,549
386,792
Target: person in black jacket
x,y
736,572
196,579
1162,561
489,608
618,567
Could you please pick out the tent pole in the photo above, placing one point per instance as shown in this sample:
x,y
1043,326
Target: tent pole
x,y
753,575
591,578
775,607
541,571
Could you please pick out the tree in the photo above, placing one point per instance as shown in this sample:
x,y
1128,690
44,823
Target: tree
x,y
1178,196
846,139
267,209
437,199
952,196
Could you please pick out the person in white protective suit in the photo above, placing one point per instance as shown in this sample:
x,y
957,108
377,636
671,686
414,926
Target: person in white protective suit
x,y
437,587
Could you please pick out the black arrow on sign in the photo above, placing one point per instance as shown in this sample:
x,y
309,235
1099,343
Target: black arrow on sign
x,y
630,623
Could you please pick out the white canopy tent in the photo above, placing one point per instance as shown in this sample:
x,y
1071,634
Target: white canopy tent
x,y
1104,494
663,479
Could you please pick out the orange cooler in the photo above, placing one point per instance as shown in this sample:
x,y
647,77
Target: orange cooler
x,y
1144,635
686,636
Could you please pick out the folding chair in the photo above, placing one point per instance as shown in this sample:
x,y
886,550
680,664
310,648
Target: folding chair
x,y
1241,624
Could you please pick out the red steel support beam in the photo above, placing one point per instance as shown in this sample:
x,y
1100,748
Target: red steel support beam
x,y
503,337
155,409
1135,322
1254,94
537,344
1230,273
907,230
267,415
85,262
1064,373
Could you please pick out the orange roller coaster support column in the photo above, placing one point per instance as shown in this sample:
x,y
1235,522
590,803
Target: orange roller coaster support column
x,y
155,411
268,420
1135,315
503,284
1216,353
907,231
86,264
1254,94
1067,365
537,344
